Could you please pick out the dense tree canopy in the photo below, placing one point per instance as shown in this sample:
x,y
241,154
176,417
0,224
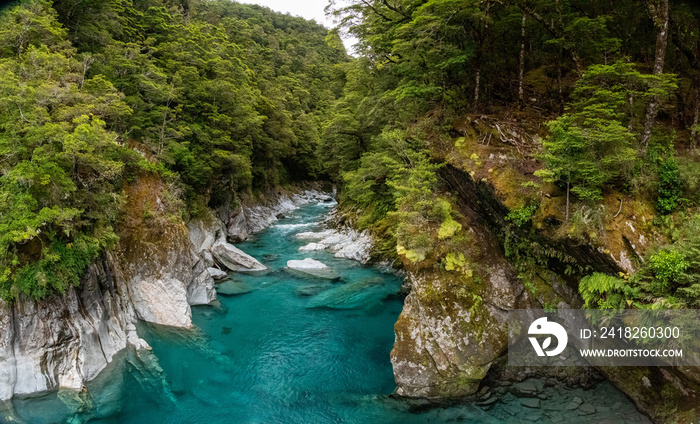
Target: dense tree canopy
x,y
222,98
607,91
219,97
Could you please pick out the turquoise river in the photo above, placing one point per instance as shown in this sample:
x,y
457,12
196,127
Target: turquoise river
x,y
280,348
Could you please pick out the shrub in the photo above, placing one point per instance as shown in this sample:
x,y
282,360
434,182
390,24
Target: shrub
x,y
668,267
604,291
670,187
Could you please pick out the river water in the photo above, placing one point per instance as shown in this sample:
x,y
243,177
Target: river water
x,y
288,349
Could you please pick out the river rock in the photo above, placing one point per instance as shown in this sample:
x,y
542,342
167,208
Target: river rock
x,y
247,219
574,404
201,290
530,402
312,289
346,243
358,295
237,230
358,249
216,273
233,287
313,268
586,409
312,246
314,235
235,259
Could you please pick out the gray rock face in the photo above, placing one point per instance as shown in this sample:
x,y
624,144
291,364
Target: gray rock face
x,y
205,231
201,290
248,220
237,228
162,301
443,348
159,276
67,340
216,273
235,259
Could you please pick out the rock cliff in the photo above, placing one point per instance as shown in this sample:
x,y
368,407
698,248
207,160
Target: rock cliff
x,y
448,336
160,268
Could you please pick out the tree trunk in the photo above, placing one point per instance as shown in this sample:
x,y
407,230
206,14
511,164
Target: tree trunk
x,y
568,187
694,127
521,72
560,86
477,83
659,14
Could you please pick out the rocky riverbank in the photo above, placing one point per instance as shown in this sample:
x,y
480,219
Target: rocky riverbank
x,y
160,268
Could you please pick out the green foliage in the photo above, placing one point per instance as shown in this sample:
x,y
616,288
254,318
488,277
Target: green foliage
x,y
221,99
591,146
667,267
61,165
669,278
670,186
604,291
457,262
523,215
449,228
61,267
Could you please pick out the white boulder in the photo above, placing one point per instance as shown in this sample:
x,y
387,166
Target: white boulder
x,y
312,267
312,247
235,259
346,243
314,235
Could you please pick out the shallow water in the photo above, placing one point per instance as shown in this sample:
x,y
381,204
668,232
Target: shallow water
x,y
290,350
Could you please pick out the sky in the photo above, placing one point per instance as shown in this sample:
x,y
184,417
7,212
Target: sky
x,y
309,9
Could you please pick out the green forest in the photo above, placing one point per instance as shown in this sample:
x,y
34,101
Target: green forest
x,y
575,112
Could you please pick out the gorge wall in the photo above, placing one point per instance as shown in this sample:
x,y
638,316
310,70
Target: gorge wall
x,y
445,346
159,269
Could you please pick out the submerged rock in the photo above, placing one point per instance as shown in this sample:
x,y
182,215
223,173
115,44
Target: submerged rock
x,y
312,289
235,259
232,288
313,268
358,295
